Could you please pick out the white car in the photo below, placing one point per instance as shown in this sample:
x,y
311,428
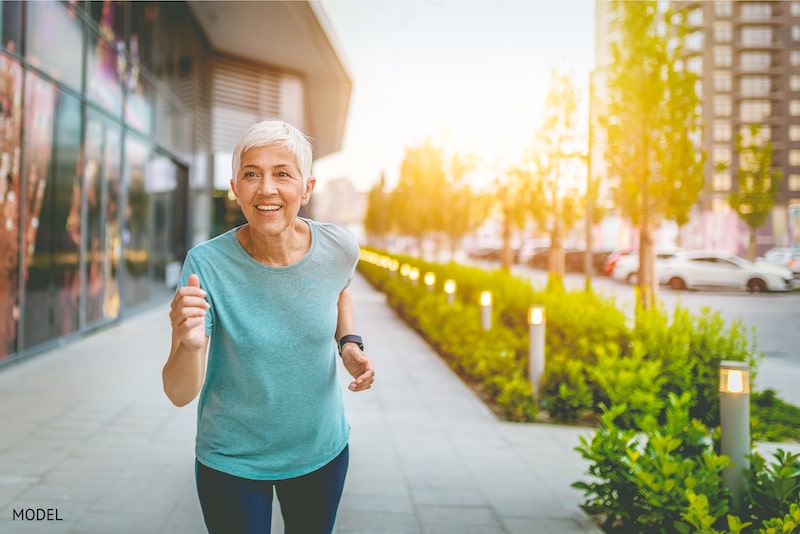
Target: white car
x,y
627,267
788,257
716,269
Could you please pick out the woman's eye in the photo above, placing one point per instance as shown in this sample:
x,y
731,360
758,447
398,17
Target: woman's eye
x,y
250,174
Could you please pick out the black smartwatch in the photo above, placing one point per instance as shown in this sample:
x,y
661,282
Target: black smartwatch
x,y
351,338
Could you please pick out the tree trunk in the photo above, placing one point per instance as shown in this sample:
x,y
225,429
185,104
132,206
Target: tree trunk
x,y
506,257
555,254
752,247
646,280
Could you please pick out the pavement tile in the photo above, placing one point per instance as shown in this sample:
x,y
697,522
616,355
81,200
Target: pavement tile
x,y
88,430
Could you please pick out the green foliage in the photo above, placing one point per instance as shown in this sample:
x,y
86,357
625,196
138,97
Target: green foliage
x,y
642,479
772,488
689,348
758,184
773,419
652,463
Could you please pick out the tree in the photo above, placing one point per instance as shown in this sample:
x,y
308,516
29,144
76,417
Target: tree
x,y
512,200
558,168
377,221
758,183
463,210
417,199
650,121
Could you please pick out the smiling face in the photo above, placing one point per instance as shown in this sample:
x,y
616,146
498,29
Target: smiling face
x,y
270,189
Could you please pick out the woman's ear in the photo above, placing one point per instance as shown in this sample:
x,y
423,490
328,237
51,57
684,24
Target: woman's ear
x,y
311,182
233,190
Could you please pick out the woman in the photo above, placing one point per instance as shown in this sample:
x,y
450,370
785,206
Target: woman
x,y
267,301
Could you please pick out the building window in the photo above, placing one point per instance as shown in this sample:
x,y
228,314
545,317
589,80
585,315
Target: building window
x,y
755,61
723,32
794,82
694,41
794,108
794,132
722,81
795,9
751,11
795,33
754,85
723,57
721,181
720,205
696,17
762,138
757,36
754,110
723,8
722,131
794,158
695,64
722,156
794,182
794,58
722,106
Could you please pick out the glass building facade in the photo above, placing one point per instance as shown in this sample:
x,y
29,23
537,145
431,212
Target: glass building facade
x,y
113,120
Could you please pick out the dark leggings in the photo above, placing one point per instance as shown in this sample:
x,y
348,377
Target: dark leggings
x,y
233,505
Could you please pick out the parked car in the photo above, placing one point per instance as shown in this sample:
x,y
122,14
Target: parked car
x,y
788,257
627,266
573,259
613,258
716,269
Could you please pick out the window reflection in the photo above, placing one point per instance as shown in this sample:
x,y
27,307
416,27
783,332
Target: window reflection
x,y
53,221
101,179
136,238
10,142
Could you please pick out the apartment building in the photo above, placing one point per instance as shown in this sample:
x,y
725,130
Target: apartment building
x,y
747,54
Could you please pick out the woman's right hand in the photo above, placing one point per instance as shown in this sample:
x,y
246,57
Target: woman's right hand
x,y
188,314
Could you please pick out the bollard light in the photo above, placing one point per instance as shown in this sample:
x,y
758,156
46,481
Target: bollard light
x,y
413,275
394,266
429,279
486,310
734,405
404,270
536,328
450,290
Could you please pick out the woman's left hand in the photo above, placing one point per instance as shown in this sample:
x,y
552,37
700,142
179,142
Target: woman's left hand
x,y
359,366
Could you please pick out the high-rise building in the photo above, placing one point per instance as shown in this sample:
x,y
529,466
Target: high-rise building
x,y
747,55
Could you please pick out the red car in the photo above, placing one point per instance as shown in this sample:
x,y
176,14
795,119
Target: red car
x,y
613,258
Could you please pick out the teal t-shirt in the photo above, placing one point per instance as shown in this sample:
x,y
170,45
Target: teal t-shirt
x,y
271,406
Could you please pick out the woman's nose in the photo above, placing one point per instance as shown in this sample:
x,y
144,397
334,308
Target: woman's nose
x,y
267,185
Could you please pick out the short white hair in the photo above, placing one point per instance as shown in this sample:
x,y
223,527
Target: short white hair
x,y
275,132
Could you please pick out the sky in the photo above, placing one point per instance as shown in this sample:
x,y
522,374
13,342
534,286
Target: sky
x,y
470,75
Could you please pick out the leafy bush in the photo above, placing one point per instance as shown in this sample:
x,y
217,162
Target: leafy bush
x,y
642,478
652,460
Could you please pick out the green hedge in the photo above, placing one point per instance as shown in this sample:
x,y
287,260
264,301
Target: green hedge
x,y
653,461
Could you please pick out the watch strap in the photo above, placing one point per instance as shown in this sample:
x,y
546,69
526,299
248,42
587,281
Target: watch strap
x,y
351,338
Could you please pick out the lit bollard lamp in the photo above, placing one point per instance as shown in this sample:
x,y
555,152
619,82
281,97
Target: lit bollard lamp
x,y
430,280
413,275
734,404
450,290
486,310
536,327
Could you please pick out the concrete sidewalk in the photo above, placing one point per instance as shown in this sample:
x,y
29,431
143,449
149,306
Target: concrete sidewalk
x,y
88,434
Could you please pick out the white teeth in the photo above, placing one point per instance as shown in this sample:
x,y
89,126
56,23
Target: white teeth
x,y
270,207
